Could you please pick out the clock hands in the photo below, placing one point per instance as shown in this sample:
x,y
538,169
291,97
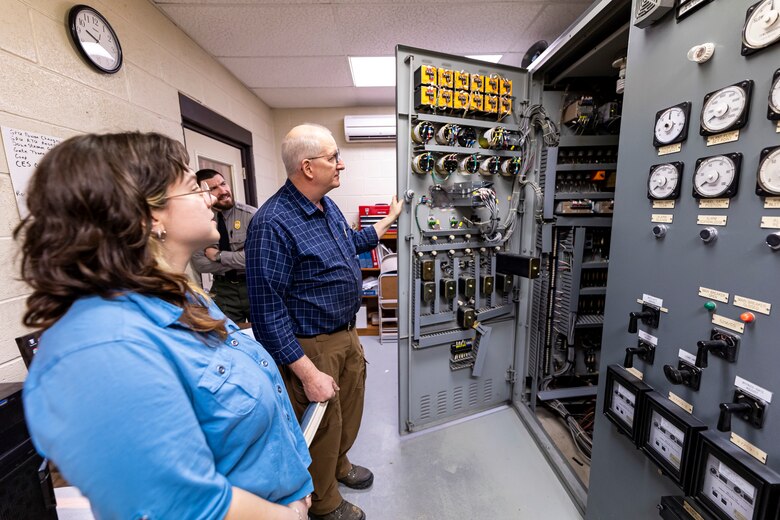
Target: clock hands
x,y
97,40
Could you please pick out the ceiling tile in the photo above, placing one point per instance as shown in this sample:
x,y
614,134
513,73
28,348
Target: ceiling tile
x,y
259,30
296,71
326,97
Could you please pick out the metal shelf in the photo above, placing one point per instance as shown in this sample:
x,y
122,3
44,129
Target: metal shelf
x,y
585,291
434,118
464,150
588,321
584,221
589,140
578,167
593,195
595,265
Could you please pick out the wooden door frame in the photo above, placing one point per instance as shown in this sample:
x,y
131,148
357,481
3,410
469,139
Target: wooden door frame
x,y
202,120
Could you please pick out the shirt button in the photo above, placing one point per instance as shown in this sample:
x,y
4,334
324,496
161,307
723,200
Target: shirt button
x,y
234,342
221,369
279,389
288,416
264,363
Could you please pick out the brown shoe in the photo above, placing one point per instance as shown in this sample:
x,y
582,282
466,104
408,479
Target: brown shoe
x,y
358,478
345,511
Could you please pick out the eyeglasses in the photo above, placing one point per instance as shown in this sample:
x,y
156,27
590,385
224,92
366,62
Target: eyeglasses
x,y
330,157
204,192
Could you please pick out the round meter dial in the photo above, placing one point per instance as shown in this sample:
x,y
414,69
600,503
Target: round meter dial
x,y
671,125
664,181
768,178
726,109
774,97
762,26
717,176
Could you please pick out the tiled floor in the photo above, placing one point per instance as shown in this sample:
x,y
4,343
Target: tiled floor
x,y
487,467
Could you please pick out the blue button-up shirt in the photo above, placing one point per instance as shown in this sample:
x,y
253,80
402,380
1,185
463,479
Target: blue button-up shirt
x,y
302,270
148,418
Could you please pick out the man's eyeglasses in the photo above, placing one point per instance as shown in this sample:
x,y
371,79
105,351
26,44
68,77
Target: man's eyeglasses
x,y
334,158
204,192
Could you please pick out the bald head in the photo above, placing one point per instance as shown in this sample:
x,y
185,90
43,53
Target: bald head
x,y
302,142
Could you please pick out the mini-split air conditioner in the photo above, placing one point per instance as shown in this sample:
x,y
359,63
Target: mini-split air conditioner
x,y
361,129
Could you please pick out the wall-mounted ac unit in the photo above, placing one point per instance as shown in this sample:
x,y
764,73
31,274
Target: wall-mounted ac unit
x,y
361,129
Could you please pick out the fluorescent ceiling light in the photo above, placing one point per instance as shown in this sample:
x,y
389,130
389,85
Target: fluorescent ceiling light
x,y
492,58
372,71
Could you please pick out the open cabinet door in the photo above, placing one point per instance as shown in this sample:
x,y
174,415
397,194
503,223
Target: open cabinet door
x,y
469,146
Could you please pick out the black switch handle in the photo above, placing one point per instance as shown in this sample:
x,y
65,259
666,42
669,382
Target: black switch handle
x,y
634,317
726,410
704,347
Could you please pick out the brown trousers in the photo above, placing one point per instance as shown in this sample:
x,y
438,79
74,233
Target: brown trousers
x,y
341,356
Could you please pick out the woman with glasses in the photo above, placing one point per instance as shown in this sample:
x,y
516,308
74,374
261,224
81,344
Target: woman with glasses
x,y
147,398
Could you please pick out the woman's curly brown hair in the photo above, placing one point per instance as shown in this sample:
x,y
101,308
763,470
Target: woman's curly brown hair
x,y
88,232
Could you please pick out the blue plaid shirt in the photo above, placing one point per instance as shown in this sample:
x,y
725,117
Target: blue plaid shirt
x,y
302,270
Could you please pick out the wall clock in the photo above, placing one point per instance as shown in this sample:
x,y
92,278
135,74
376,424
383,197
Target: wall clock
x,y
95,39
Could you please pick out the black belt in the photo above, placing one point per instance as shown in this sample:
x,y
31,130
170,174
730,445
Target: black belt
x,y
347,326
231,276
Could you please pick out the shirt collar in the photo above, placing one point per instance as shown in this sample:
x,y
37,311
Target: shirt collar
x,y
159,311
305,204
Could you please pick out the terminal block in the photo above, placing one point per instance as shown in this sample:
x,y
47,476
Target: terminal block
x,y
467,286
428,292
425,75
504,283
427,269
486,285
446,78
467,316
462,80
448,287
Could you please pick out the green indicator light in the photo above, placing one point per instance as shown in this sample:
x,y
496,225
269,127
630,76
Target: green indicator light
x,y
710,306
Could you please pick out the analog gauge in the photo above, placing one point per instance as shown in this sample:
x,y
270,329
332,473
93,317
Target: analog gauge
x,y
774,97
768,178
671,125
726,109
762,26
717,176
664,181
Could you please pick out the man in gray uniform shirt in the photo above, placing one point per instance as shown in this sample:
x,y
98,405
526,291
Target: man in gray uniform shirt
x,y
225,260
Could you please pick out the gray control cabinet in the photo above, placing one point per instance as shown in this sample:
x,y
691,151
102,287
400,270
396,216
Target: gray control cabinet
x,y
682,274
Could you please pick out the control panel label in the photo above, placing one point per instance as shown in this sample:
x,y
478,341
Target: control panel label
x,y
687,356
636,373
748,448
670,148
712,294
777,129
714,203
726,137
681,402
753,389
728,323
770,222
771,202
691,511
711,220
753,305
652,300
660,218
666,204
649,338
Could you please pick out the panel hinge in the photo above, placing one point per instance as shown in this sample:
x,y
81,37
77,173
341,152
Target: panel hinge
x,y
511,376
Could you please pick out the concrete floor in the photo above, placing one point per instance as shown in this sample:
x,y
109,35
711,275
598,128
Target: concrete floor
x,y
487,467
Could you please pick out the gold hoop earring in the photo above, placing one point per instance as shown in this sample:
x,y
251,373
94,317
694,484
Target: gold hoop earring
x,y
161,234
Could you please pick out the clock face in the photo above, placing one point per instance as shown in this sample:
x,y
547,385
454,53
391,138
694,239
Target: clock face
x,y
664,181
671,125
96,40
768,179
762,26
717,176
726,109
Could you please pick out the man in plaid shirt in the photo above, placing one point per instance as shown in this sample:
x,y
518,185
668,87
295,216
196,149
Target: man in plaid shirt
x,y
305,289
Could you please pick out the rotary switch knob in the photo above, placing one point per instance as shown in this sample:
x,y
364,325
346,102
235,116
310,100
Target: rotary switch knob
x,y
773,241
659,230
708,235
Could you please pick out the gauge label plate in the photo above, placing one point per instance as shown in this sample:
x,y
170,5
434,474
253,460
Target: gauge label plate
x,y
689,509
669,204
711,220
777,129
753,305
652,300
726,137
712,294
713,203
671,148
753,389
660,218
757,453
679,401
770,222
728,323
772,202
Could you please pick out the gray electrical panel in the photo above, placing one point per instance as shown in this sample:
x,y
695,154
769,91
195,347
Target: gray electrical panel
x,y
691,431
